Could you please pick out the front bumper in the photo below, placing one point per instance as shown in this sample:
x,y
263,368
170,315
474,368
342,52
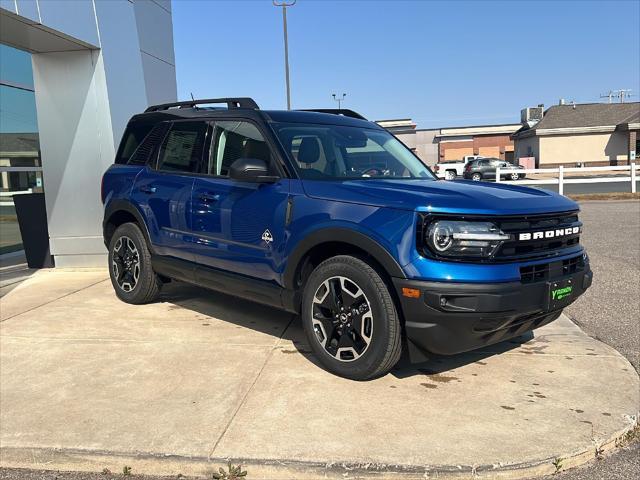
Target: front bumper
x,y
450,318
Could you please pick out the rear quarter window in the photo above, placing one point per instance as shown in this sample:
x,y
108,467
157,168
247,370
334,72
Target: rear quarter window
x,y
133,136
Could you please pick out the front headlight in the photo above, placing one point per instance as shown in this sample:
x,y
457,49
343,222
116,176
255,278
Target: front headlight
x,y
454,238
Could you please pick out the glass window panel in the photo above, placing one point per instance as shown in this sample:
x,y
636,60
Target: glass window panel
x,y
182,148
233,140
15,66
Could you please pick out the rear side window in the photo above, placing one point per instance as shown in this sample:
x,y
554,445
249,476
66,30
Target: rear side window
x,y
131,139
149,145
182,148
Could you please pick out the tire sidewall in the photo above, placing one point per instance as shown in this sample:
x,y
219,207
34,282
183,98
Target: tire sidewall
x,y
133,232
381,312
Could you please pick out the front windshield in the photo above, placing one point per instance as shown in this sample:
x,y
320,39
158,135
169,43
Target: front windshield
x,y
336,152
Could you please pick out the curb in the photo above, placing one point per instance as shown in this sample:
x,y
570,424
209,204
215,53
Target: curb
x,y
271,469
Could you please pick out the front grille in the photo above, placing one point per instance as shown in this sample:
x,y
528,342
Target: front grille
x,y
552,270
516,249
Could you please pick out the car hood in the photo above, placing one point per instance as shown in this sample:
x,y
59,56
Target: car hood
x,y
442,196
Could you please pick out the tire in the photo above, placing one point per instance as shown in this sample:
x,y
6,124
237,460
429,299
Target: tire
x,y
132,285
450,175
515,176
476,177
363,341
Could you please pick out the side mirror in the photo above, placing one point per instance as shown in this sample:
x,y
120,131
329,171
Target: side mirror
x,y
251,170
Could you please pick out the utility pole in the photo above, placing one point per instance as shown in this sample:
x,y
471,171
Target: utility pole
x,y
284,4
339,99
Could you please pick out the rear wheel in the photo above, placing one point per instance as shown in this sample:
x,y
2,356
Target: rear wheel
x,y
450,175
132,276
350,319
476,177
514,176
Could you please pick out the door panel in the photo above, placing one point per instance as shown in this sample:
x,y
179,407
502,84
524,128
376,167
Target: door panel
x,y
238,226
229,220
165,202
164,194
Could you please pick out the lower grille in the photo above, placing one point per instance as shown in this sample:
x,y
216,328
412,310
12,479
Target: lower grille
x,y
552,270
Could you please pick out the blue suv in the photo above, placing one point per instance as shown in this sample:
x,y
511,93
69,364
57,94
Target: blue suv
x,y
327,215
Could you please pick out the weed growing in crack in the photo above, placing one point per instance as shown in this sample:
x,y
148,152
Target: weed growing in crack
x,y
557,463
233,473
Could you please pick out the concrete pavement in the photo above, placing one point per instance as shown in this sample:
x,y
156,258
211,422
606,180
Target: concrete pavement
x,y
88,382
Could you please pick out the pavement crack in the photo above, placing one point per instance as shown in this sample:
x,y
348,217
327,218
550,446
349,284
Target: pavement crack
x,y
54,300
253,383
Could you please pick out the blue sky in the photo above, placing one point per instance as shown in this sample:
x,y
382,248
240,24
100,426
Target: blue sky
x,y
440,63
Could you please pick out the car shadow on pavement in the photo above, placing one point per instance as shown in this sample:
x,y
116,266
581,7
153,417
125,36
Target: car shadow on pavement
x,y
219,307
232,310
438,364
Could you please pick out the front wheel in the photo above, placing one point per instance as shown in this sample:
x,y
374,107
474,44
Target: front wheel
x,y
350,319
476,177
514,176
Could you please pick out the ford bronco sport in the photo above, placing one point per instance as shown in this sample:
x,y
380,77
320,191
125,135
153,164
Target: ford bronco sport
x,y
327,215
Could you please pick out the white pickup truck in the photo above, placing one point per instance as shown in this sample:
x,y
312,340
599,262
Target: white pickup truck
x,y
451,170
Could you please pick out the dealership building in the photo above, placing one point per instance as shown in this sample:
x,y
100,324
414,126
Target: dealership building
x,y
71,75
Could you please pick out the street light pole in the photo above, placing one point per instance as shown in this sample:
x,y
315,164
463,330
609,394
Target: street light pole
x,y
284,4
339,99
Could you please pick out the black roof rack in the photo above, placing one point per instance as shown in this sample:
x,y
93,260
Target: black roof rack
x,y
336,111
240,102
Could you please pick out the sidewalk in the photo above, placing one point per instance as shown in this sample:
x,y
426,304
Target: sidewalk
x,y
88,382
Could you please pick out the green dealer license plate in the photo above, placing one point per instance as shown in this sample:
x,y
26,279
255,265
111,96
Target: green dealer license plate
x,y
560,293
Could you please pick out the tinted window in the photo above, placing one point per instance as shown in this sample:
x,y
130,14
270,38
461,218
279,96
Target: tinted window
x,y
182,148
131,139
232,140
149,145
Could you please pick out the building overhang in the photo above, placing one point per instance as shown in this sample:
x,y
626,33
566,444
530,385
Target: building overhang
x,y
542,132
481,130
26,34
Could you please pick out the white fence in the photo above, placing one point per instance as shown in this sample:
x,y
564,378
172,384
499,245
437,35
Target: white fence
x,y
560,179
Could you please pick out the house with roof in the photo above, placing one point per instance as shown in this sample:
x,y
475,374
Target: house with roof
x,y
570,134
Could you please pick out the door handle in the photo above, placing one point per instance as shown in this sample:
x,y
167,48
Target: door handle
x,y
209,197
146,189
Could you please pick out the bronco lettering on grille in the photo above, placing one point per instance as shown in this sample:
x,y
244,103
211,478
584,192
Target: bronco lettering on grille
x,y
559,232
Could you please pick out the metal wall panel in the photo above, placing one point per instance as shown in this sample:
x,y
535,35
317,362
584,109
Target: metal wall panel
x,y
160,80
155,30
96,63
77,146
29,9
123,65
76,19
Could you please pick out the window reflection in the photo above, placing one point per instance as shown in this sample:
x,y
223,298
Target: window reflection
x,y
20,164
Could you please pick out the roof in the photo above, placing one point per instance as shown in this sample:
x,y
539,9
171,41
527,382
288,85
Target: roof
x,y
284,116
501,129
19,142
583,118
